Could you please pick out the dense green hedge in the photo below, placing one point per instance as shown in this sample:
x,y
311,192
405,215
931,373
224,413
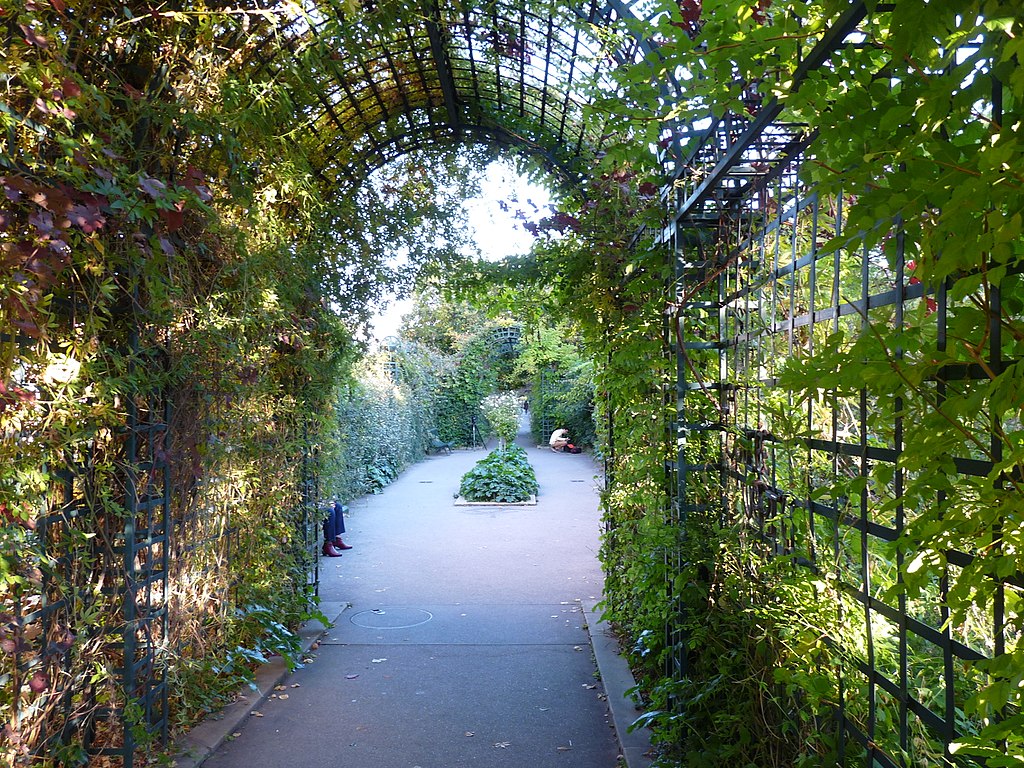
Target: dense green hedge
x,y
479,368
385,415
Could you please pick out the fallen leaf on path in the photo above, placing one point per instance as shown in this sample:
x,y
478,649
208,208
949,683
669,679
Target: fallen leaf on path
x,y
254,713
470,733
502,744
351,677
377,661
283,696
590,686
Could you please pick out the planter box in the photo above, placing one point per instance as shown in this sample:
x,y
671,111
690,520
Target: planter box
x,y
460,502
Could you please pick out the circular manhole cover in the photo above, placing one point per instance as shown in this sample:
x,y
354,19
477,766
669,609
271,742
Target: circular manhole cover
x,y
391,618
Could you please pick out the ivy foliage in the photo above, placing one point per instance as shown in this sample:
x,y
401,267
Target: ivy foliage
x,y
384,418
561,376
918,140
480,367
169,257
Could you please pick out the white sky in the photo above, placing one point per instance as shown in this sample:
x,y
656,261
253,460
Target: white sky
x,y
498,234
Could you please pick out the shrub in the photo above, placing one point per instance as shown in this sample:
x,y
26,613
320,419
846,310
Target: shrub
x,y
502,412
500,476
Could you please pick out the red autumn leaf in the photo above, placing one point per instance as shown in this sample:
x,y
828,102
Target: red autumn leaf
x,y
32,37
51,198
43,222
132,92
39,682
58,5
62,250
690,10
87,218
65,641
39,266
10,192
152,187
28,328
43,107
173,219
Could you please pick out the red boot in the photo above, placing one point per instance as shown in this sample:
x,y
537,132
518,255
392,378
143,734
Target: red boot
x,y
330,551
339,544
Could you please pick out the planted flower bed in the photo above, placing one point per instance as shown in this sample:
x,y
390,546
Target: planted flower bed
x,y
501,476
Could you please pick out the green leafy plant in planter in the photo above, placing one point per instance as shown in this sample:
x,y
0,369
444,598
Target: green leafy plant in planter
x,y
501,476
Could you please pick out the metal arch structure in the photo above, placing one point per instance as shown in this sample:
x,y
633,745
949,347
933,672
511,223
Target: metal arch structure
x,y
394,77
365,85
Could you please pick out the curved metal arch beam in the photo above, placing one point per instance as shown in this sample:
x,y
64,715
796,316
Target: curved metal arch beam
x,y
556,134
440,56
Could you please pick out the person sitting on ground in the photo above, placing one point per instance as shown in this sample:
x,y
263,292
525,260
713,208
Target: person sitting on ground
x,y
334,526
558,440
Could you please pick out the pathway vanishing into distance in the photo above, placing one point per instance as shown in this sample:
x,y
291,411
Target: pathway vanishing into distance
x,y
460,639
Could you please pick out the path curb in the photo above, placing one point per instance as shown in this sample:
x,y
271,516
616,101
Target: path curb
x,y
617,679
192,749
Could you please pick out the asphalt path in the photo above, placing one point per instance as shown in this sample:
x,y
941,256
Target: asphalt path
x,y
463,641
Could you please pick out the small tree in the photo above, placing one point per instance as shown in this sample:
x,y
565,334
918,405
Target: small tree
x,y
502,412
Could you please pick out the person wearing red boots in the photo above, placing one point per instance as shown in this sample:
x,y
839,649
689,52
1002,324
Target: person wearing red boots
x,y
334,526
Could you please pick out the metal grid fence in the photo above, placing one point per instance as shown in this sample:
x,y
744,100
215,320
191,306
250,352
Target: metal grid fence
x,y
755,288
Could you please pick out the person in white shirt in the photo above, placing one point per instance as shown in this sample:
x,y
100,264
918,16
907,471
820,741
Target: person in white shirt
x,y
558,440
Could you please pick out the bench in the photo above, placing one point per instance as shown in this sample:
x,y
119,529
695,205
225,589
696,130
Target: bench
x,y
436,444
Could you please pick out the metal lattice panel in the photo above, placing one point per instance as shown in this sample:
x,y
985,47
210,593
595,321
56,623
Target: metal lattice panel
x,y
755,289
398,77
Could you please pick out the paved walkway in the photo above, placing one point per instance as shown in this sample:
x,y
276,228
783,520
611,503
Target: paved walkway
x,y
460,640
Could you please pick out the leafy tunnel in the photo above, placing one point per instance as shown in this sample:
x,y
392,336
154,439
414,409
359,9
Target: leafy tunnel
x,y
788,241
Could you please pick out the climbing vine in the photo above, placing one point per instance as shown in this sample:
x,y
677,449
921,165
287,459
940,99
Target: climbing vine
x,y
170,266
936,93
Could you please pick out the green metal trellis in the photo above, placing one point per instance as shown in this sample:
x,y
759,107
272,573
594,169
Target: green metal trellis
x,y
751,290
